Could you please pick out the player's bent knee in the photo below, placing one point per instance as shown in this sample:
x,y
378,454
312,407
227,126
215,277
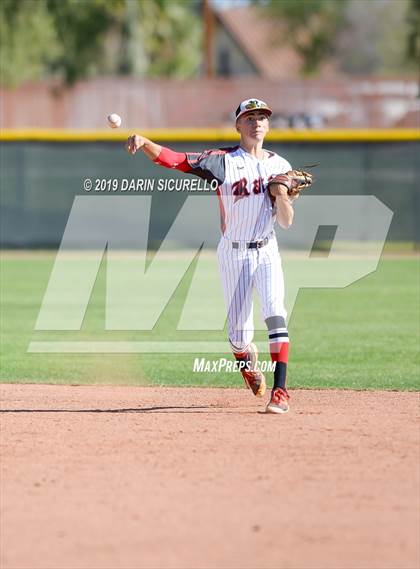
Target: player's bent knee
x,y
239,346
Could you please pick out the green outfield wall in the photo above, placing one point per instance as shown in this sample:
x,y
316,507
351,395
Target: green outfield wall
x,y
43,171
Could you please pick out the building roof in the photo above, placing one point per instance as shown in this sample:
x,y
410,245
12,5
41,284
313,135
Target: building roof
x,y
260,40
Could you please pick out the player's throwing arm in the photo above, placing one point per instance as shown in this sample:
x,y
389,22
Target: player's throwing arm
x,y
137,142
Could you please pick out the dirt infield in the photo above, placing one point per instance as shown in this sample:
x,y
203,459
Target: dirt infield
x,y
130,477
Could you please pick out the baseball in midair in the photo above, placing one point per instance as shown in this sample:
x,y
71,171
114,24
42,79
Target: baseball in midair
x,y
114,120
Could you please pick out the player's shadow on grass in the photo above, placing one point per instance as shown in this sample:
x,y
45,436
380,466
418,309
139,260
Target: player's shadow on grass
x,y
161,409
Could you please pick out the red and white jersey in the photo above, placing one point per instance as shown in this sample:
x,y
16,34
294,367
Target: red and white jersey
x,y
246,210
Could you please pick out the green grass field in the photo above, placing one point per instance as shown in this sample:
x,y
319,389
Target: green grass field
x,y
364,336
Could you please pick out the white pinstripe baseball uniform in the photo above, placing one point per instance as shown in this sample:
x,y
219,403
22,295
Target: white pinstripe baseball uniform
x,y
247,252
247,216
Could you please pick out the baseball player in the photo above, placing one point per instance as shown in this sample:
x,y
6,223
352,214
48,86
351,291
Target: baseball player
x,y
247,252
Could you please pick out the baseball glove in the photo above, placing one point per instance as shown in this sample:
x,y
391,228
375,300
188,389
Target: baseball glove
x,y
294,181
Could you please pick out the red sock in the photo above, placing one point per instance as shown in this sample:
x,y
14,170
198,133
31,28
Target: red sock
x,y
280,354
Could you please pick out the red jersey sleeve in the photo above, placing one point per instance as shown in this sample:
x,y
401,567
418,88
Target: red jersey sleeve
x,y
171,159
209,165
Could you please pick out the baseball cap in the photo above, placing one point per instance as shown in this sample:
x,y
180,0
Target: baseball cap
x,y
252,105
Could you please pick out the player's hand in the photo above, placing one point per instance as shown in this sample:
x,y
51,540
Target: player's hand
x,y
134,143
278,190
293,195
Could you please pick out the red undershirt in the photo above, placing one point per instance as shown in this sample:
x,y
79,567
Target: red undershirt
x,y
171,159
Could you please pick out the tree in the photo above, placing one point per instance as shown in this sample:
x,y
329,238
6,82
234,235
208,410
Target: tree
x,y
29,43
81,28
74,39
361,36
310,26
374,37
413,39
172,38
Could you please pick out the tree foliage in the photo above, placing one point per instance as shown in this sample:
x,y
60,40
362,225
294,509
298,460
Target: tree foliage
x,y
81,28
29,42
377,37
73,39
413,40
172,37
375,40
310,26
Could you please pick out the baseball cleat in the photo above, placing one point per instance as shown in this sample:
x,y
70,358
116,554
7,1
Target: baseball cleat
x,y
278,402
254,379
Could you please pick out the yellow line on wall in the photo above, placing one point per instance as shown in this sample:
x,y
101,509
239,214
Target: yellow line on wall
x,y
202,135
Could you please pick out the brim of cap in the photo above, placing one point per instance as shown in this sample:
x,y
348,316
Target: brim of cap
x,y
265,110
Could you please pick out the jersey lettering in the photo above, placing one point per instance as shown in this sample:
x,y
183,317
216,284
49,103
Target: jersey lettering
x,y
257,186
240,189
